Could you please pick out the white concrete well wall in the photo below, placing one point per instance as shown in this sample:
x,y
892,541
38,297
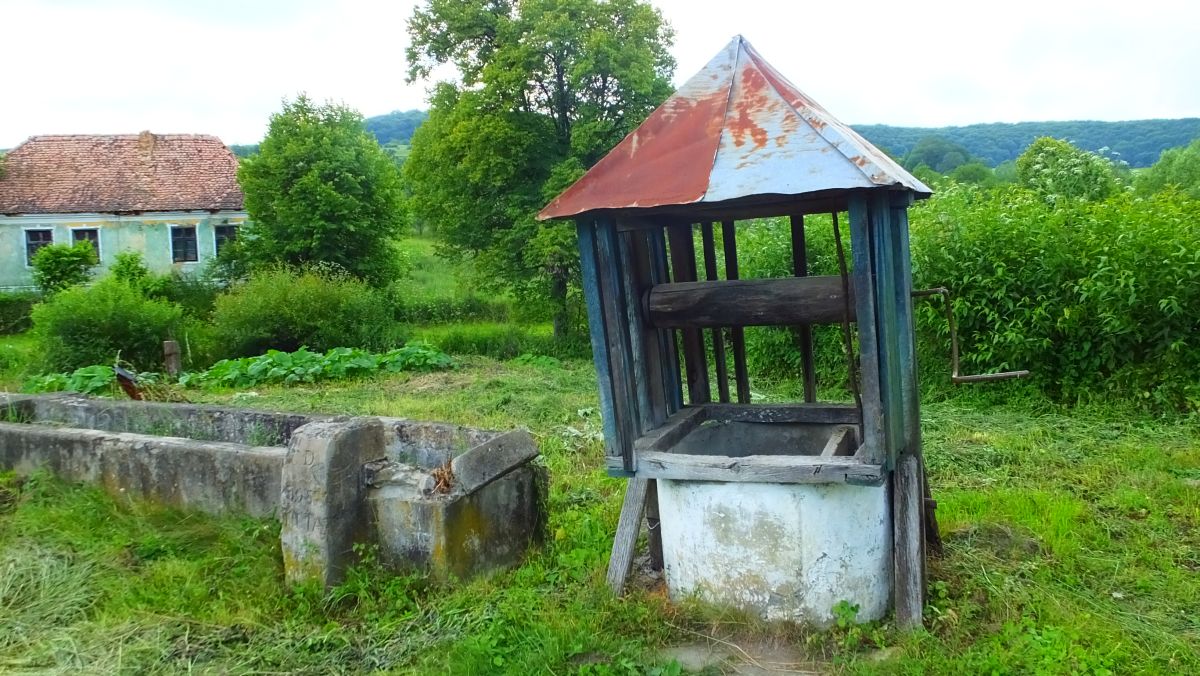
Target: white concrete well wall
x,y
782,551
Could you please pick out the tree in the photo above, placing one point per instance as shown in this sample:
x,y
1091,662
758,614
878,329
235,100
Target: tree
x,y
1057,170
545,88
1177,166
938,154
321,190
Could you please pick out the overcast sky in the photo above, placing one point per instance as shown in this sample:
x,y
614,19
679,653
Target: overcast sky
x,y
222,66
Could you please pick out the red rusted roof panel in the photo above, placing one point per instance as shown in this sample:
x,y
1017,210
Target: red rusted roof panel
x,y
737,129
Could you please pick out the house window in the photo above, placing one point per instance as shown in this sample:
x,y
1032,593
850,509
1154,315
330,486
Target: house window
x,y
87,235
34,240
224,234
183,244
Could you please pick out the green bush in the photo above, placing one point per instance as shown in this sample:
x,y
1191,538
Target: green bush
x,y
502,341
16,310
82,326
448,309
196,295
281,309
1096,299
61,266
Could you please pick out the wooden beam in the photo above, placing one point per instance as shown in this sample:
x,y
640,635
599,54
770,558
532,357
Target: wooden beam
x,y
718,340
784,469
749,302
803,331
831,414
841,442
683,269
596,331
625,541
908,543
867,323
672,431
737,336
616,333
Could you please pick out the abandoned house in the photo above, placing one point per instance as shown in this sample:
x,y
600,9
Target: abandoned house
x,y
172,197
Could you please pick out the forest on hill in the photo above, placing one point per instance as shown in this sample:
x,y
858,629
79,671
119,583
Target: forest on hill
x,y
1138,142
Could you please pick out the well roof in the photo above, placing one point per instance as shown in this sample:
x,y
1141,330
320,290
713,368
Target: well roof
x,y
736,130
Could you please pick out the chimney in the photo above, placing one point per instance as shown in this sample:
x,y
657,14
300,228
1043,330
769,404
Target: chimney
x,y
146,142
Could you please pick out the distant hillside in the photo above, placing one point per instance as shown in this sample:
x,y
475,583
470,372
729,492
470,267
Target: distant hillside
x,y
395,127
1139,142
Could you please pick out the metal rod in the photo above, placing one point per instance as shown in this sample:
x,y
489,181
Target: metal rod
x,y
947,302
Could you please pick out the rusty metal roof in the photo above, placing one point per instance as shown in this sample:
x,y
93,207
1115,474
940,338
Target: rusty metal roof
x,y
735,130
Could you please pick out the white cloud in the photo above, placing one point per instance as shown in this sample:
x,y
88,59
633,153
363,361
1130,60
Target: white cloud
x,y
222,66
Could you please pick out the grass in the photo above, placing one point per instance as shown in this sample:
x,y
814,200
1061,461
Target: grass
x,y
1072,545
1072,537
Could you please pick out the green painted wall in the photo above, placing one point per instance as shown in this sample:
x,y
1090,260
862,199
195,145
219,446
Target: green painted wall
x,y
149,234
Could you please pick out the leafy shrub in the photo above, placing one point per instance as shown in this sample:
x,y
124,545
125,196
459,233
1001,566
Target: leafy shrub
x,y
281,309
82,326
1094,298
304,366
16,310
1057,170
1179,167
60,266
196,295
131,269
96,379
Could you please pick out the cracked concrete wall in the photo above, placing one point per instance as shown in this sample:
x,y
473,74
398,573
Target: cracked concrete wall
x,y
781,551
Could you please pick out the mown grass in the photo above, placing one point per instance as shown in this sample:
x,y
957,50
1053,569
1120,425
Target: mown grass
x,y
1072,538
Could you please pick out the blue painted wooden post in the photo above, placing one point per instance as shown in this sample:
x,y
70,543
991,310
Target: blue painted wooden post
x,y
907,337
888,334
591,297
616,332
864,308
636,332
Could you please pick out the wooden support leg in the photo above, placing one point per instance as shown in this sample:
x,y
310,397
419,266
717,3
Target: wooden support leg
x,y
933,537
653,524
628,526
908,542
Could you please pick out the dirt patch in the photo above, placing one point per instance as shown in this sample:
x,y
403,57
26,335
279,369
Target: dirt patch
x,y
745,658
1003,541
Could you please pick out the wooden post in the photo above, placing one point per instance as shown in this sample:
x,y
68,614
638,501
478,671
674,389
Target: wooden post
x,y
683,269
596,331
803,331
653,527
908,542
172,358
868,346
710,272
737,335
628,526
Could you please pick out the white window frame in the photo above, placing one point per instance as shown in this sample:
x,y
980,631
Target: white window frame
x,y
99,244
171,243
25,240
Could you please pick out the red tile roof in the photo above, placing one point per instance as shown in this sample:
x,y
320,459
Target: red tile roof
x,y
119,173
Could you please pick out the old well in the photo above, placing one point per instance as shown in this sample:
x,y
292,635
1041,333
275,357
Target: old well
x,y
783,509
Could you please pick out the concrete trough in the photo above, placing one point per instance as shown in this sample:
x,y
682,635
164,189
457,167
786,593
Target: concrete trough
x,y
453,501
